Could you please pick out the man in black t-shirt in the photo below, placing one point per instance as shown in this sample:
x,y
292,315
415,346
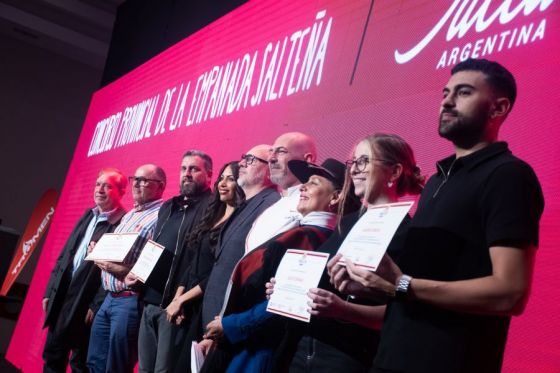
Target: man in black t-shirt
x,y
468,259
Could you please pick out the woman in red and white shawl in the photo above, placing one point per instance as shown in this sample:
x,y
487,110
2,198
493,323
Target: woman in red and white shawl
x,y
247,335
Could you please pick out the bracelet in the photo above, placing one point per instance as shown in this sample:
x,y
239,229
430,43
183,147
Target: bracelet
x,y
403,285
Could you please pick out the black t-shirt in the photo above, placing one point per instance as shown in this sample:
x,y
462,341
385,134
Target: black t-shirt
x,y
475,202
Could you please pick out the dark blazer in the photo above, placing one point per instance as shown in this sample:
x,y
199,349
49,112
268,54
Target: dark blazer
x,y
231,247
69,295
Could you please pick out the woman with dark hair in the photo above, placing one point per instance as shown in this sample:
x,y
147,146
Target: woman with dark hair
x,y
201,244
247,335
343,334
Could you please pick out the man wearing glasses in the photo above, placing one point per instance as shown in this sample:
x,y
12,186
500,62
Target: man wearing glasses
x,y
260,193
160,341
113,343
264,223
73,294
283,214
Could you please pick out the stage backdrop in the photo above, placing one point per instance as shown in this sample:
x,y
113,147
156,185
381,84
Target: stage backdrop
x,y
337,70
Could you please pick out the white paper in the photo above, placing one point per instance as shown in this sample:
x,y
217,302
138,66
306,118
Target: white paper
x,y
147,260
369,238
113,247
299,271
197,357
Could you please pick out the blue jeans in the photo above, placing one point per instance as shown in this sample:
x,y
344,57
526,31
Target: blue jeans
x,y
113,343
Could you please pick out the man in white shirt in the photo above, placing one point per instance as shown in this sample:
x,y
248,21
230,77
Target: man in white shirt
x,y
282,215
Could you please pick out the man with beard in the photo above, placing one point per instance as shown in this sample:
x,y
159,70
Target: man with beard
x,y
159,340
260,193
283,214
470,251
73,294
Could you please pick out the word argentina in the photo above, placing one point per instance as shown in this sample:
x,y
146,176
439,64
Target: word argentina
x,y
463,15
289,65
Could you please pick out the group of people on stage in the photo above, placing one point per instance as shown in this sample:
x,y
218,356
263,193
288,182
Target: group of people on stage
x,y
440,300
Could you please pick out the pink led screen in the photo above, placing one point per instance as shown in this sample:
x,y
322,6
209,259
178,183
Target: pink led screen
x,y
337,70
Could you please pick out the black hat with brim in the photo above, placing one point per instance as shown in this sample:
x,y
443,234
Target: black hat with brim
x,y
330,169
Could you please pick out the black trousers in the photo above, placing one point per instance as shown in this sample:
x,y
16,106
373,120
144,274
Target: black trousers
x,y
314,356
56,354
381,370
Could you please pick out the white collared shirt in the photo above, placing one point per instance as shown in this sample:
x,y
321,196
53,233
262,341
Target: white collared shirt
x,y
276,219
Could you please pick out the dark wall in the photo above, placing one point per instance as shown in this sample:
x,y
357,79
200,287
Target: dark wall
x,y
43,109
41,117
144,28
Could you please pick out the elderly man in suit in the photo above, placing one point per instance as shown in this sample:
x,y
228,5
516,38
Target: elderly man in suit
x,y
74,292
260,193
270,221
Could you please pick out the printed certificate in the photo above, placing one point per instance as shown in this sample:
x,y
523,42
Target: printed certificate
x,y
368,240
147,260
299,271
197,357
113,247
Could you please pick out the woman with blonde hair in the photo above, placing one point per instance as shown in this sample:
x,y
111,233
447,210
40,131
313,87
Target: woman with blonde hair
x,y
343,334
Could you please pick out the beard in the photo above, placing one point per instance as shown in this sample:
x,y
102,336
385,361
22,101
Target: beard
x,y
278,175
191,189
464,131
247,180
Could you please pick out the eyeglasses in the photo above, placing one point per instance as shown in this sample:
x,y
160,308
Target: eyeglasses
x,y
250,158
362,162
142,181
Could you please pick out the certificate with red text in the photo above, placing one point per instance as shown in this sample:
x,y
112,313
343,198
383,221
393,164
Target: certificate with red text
x,y
147,260
299,271
369,238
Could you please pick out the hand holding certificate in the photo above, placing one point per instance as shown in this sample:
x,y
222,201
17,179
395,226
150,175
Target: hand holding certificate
x,y
147,260
113,247
368,240
299,271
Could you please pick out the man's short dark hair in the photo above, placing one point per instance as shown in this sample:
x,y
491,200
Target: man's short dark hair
x,y
205,157
499,78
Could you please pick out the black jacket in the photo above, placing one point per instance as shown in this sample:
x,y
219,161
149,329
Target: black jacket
x,y
74,295
168,271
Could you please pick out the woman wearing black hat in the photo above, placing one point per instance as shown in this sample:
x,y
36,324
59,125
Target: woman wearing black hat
x,y
247,335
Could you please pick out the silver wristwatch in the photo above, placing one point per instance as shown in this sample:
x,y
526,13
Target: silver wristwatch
x,y
401,291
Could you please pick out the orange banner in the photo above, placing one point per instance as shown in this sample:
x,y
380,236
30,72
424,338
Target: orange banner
x,y
38,224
